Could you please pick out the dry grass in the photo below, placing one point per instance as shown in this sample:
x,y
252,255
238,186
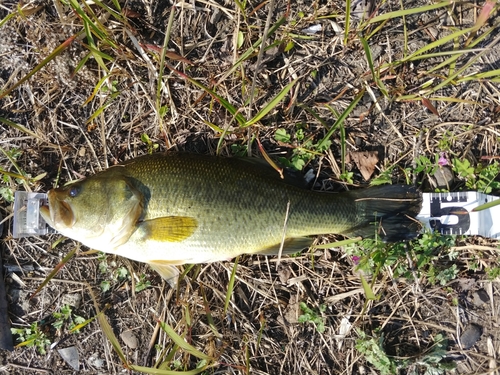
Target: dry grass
x,y
97,101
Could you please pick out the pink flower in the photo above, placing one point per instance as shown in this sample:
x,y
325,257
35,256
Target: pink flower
x,y
442,159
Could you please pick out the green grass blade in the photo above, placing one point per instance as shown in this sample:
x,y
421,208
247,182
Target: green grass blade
x,y
459,52
453,77
341,118
161,69
91,25
54,272
110,335
96,89
93,48
271,105
182,343
405,30
23,129
492,73
454,58
210,320
487,206
251,50
228,106
117,15
347,21
376,76
101,55
7,18
230,286
44,62
116,4
103,107
406,12
23,11
437,43
11,174
155,371
367,289
81,63
19,170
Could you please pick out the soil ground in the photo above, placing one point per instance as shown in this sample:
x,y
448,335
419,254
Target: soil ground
x,y
260,333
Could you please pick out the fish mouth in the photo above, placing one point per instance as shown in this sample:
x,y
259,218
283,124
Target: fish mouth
x,y
58,210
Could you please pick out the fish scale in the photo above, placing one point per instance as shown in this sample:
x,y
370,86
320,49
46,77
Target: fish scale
x,y
234,199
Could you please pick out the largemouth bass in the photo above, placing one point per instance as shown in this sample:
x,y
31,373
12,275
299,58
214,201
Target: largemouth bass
x,y
172,209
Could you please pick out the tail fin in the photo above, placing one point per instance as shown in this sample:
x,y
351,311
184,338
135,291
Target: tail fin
x,y
389,212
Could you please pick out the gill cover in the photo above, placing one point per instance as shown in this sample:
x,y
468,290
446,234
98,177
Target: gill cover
x,y
101,211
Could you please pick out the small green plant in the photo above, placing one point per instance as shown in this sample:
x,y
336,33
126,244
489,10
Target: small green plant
x,y
430,363
486,179
313,316
65,315
385,177
105,286
32,336
480,178
443,276
425,165
347,177
374,352
151,146
301,154
6,191
493,273
239,150
429,253
113,273
465,171
8,182
142,284
429,244
446,140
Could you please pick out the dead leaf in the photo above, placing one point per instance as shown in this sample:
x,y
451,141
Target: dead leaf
x,y
175,56
427,103
284,273
292,310
366,162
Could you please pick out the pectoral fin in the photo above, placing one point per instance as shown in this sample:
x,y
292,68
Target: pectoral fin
x,y
169,229
167,270
290,246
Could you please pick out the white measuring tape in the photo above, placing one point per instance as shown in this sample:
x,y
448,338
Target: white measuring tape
x,y
451,213
447,213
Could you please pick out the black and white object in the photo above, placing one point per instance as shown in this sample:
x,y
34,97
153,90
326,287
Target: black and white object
x,y
447,213
451,213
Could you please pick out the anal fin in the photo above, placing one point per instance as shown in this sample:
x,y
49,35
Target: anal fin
x,y
167,270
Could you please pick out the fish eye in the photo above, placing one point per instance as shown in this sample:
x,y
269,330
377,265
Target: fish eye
x,y
74,191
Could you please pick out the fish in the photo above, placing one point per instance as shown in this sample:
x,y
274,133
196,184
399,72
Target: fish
x,y
170,209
